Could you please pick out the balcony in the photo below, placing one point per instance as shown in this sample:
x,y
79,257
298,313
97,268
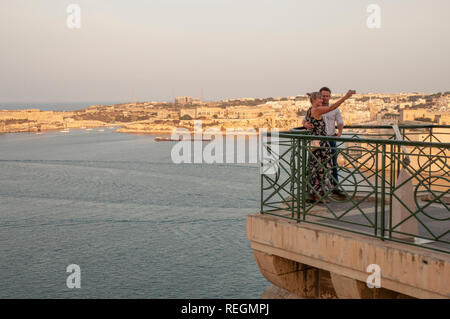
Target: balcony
x,y
396,183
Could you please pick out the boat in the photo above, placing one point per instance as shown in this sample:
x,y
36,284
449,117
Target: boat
x,y
167,139
66,130
101,130
203,139
88,129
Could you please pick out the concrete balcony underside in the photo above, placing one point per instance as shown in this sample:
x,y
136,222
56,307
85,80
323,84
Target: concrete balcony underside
x,y
315,261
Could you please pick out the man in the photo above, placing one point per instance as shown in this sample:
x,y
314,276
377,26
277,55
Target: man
x,y
331,119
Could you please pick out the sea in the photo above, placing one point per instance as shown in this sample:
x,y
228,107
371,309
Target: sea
x,y
137,224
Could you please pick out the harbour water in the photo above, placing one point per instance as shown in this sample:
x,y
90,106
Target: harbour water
x,y
138,225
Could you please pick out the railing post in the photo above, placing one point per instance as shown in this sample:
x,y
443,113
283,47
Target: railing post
x,y
429,158
383,189
392,183
297,178
293,170
261,141
303,149
376,189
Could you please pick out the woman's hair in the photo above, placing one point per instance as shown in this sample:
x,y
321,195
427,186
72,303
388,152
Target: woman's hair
x,y
313,96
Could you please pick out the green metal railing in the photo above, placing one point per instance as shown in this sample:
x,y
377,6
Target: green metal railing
x,y
371,159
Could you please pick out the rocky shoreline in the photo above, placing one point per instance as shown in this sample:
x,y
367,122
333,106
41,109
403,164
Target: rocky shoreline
x,y
41,121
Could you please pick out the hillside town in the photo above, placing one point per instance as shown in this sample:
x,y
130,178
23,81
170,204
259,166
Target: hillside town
x,y
283,113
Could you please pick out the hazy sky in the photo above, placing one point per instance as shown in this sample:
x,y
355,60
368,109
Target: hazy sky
x,y
230,48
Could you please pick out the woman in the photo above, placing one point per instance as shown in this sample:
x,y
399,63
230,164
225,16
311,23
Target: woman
x,y
320,161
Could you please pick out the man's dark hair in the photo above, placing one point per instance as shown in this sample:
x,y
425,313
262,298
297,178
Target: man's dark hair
x,y
325,89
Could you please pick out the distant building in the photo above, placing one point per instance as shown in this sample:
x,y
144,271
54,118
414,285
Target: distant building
x,y
373,109
444,119
355,117
168,114
197,101
390,118
413,114
191,111
183,100
210,112
239,112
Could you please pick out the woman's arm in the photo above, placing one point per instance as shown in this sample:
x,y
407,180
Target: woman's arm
x,y
318,111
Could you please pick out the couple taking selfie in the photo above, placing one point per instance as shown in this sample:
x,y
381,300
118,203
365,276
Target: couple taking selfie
x,y
321,118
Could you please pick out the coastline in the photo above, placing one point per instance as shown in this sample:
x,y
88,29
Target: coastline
x,y
169,133
118,129
134,120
